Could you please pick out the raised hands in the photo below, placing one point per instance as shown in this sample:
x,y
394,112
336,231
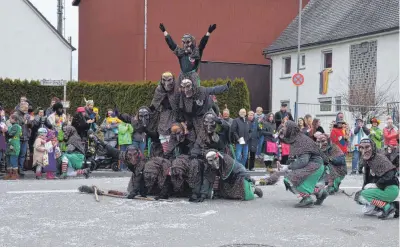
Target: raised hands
x,y
162,27
211,28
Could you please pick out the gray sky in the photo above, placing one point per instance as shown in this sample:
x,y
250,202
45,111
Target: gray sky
x,y
49,10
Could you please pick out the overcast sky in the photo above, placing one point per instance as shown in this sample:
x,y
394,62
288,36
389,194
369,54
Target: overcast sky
x,y
49,10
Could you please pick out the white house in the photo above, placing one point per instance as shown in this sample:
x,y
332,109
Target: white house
x,y
356,41
30,47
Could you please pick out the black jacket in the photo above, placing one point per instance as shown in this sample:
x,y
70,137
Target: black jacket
x,y
240,128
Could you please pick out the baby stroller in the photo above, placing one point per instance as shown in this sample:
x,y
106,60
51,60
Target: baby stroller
x,y
98,158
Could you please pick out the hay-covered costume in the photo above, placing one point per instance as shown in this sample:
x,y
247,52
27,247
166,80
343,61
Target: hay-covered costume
x,y
186,176
235,181
189,55
135,162
392,153
157,177
213,138
145,130
335,162
195,101
165,106
381,183
306,165
181,141
73,159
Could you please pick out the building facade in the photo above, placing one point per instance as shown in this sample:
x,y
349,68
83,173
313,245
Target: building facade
x,y
350,72
112,36
30,47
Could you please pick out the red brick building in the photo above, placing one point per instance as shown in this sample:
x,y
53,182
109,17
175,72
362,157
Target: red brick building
x,y
112,34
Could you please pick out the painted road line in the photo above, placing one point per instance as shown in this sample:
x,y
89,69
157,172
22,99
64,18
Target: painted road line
x,y
43,191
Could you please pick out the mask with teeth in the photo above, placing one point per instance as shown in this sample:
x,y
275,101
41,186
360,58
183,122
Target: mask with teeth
x,y
144,116
187,87
213,159
167,81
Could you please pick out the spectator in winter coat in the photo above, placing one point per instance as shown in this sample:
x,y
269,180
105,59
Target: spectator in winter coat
x,y
25,121
269,134
390,134
39,121
3,141
302,126
50,109
308,120
14,133
316,129
282,114
125,131
110,128
376,134
21,100
240,133
358,133
337,136
260,117
254,137
81,124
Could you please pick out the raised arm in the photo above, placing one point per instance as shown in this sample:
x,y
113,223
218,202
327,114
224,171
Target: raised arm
x,y
204,40
216,90
171,44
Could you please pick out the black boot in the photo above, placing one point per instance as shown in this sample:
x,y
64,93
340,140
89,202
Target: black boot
x,y
388,212
396,205
258,192
305,202
321,196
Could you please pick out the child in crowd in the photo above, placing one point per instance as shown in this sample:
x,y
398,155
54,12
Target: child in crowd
x,y
52,150
40,155
14,133
125,131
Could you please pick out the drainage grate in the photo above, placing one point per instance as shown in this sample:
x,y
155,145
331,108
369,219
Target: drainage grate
x,y
246,245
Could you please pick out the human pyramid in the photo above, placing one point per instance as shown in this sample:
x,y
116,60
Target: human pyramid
x,y
188,155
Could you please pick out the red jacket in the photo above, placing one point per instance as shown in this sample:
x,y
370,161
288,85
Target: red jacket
x,y
390,136
335,134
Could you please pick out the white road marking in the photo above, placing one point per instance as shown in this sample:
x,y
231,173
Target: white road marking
x,y
43,191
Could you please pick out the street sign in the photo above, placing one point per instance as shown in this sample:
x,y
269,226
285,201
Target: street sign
x,y
65,104
298,79
50,82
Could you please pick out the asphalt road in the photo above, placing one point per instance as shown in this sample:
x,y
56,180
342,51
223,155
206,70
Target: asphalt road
x,y
50,213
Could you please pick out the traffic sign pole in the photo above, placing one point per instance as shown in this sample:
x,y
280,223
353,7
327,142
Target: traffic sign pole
x,y
296,107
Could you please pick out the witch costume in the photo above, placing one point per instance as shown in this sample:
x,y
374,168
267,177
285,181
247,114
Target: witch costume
x,y
157,177
189,55
381,184
234,182
306,166
335,162
72,161
165,105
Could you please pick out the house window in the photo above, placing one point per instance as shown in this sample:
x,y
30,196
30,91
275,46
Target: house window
x,y
287,63
327,59
303,61
338,103
325,104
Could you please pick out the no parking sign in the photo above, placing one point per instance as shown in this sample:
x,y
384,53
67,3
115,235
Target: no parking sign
x,y
298,79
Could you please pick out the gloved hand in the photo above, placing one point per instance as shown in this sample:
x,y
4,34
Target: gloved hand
x,y
162,28
229,84
211,28
152,108
131,195
217,120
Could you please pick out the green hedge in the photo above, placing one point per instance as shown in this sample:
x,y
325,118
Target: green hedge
x,y
128,97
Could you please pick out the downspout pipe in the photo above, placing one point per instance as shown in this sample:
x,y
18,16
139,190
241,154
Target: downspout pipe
x,y
270,80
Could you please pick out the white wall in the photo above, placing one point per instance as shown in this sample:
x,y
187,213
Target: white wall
x,y
29,49
283,88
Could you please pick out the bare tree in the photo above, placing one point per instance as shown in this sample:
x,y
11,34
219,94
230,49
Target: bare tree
x,y
366,101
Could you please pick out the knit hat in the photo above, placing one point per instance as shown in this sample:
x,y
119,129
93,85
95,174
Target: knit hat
x,y
374,120
42,130
80,110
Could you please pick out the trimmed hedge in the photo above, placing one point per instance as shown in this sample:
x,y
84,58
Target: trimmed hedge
x,y
128,97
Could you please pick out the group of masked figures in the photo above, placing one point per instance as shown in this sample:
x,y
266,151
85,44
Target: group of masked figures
x,y
316,169
186,151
